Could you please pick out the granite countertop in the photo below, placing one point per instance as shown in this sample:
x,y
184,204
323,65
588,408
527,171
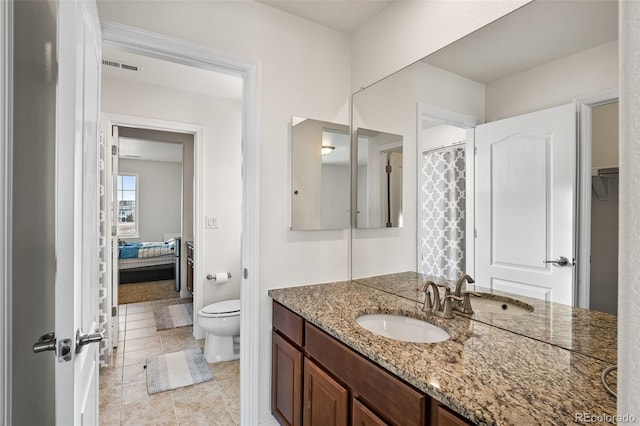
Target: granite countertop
x,y
487,374
580,330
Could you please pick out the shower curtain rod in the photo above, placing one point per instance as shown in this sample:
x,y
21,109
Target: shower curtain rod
x,y
445,147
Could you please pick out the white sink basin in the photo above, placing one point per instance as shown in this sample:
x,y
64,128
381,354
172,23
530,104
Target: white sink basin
x,y
484,304
402,328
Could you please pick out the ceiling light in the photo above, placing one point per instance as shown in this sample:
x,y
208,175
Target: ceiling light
x,y
327,149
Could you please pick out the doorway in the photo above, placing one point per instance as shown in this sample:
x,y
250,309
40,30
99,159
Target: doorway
x,y
603,292
214,167
154,211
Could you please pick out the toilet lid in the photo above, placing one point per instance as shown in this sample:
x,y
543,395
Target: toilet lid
x,y
224,307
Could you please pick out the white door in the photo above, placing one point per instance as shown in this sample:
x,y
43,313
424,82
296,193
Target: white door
x,y
526,192
77,203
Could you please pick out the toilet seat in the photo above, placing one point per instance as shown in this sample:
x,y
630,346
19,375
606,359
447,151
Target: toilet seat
x,y
226,308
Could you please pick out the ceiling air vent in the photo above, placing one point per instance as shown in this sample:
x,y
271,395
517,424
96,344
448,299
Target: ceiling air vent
x,y
121,65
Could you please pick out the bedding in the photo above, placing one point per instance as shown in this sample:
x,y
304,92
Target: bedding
x,y
149,261
142,262
128,250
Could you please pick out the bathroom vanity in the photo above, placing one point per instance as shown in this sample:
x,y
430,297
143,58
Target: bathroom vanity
x,y
318,377
329,370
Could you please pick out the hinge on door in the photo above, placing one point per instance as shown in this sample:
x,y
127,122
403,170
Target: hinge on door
x,y
114,150
388,169
114,311
246,273
475,233
475,150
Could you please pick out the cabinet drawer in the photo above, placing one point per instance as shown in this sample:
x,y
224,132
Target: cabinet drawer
x,y
289,324
189,251
389,397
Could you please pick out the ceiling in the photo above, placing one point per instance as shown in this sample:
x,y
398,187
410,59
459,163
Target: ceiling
x,y
539,33
342,15
170,74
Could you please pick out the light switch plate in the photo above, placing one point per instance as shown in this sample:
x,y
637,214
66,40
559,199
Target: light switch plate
x,y
211,222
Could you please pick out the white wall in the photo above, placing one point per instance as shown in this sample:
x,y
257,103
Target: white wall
x,y
553,84
628,291
391,106
605,136
305,72
407,31
159,197
222,185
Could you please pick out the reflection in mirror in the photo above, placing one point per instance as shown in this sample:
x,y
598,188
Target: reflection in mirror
x,y
505,71
442,201
379,179
319,175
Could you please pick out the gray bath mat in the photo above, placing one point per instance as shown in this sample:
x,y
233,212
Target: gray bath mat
x,y
174,316
177,370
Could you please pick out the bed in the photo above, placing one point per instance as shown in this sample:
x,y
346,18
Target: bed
x,y
149,261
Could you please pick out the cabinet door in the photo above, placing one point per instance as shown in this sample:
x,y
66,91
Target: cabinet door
x,y
190,275
447,418
286,382
362,416
326,401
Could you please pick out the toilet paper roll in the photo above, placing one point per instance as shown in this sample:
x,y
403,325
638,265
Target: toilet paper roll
x,y
222,277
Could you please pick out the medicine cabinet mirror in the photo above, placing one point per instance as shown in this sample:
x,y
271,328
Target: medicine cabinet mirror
x,y
320,155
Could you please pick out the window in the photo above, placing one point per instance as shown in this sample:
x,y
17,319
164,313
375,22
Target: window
x,y
128,205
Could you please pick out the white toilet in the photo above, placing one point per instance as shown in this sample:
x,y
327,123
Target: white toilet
x,y
221,323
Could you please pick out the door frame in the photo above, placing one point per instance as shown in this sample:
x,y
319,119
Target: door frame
x,y
124,120
426,112
6,137
583,203
172,49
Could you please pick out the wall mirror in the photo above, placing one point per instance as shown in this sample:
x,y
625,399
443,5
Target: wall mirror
x,y
378,179
320,155
540,57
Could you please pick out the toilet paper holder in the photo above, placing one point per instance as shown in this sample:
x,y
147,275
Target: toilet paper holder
x,y
213,277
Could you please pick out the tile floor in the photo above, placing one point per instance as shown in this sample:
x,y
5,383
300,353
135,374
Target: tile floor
x,y
123,386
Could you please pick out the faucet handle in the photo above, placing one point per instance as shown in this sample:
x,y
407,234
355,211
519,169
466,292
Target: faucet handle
x,y
466,304
447,310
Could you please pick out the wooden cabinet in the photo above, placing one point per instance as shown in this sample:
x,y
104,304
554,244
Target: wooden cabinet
x,y
384,394
442,416
325,400
190,266
286,382
317,380
286,370
362,416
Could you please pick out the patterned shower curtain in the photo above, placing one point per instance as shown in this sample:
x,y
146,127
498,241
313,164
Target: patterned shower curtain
x,y
442,216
